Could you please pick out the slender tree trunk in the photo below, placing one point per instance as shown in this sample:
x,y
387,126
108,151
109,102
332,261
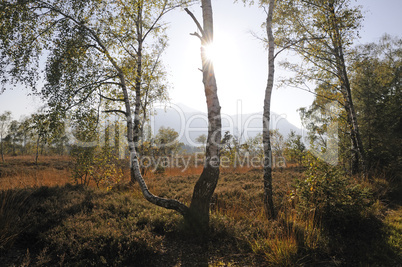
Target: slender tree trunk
x,y
2,152
268,201
138,80
354,165
357,141
357,144
37,150
198,216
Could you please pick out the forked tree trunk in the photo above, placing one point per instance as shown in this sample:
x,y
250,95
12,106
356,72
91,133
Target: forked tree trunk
x,y
268,201
197,215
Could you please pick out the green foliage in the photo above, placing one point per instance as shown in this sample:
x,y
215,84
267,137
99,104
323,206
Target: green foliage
x,y
319,31
295,149
96,164
166,141
377,90
93,46
253,145
83,159
4,121
333,198
230,149
393,230
158,152
94,160
202,139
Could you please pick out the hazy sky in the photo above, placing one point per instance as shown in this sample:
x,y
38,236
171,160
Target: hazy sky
x,y
241,63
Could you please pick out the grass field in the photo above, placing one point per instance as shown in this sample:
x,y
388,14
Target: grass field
x,y
45,219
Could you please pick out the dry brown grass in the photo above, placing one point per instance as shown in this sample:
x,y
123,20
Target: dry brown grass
x,y
237,215
36,178
22,172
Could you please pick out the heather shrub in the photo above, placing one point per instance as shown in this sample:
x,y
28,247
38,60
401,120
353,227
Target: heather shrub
x,y
13,206
118,230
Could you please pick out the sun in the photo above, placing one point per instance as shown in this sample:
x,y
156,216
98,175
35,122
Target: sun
x,y
222,51
211,52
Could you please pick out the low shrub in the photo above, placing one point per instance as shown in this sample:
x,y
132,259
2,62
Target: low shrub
x,y
336,201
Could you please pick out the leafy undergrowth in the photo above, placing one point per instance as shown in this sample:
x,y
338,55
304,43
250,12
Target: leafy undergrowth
x,y
324,219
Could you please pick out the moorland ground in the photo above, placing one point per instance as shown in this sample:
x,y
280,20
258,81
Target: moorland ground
x,y
47,219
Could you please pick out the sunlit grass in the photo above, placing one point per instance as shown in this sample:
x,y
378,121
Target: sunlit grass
x,y
393,228
22,172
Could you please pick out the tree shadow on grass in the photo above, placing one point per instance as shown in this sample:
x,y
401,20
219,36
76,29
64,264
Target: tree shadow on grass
x,y
362,243
38,210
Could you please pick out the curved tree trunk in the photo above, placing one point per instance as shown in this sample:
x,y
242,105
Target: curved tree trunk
x,y
134,164
268,201
197,215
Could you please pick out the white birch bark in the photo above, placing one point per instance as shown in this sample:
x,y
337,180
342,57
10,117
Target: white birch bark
x,y
206,184
268,201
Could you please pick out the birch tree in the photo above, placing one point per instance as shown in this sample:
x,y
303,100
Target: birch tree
x,y
4,121
266,139
321,32
268,201
101,49
91,55
206,184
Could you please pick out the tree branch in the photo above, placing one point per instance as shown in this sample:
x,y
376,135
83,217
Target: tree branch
x,y
196,34
111,99
196,22
115,111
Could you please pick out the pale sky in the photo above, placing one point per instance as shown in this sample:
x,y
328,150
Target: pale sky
x,y
241,64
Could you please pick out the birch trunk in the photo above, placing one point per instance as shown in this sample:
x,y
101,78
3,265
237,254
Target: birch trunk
x,y
198,216
134,164
2,153
138,79
357,144
136,126
268,201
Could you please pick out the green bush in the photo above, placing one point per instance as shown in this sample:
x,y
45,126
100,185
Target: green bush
x,y
336,201
95,164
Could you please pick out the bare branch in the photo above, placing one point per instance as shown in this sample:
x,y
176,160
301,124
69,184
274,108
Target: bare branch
x,y
196,22
196,34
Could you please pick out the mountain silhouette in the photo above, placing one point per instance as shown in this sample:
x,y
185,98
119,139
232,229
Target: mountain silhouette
x,y
191,123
